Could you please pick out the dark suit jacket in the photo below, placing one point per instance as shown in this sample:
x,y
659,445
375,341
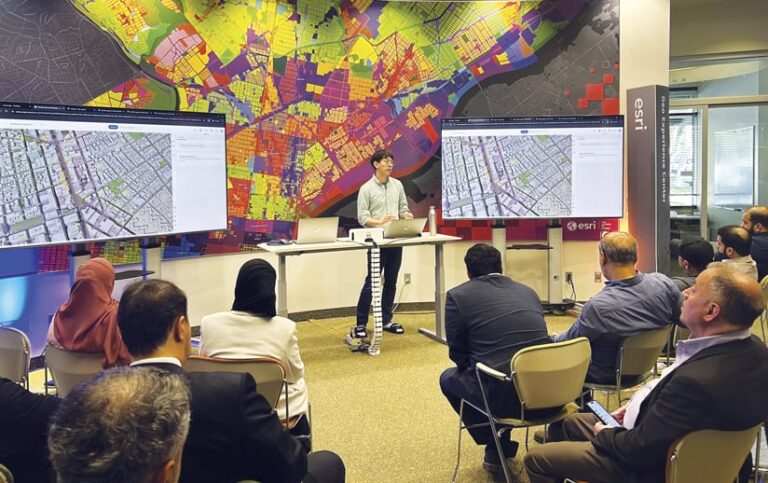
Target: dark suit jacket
x,y
23,431
235,435
489,318
724,387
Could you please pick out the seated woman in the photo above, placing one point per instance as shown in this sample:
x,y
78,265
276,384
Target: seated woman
x,y
253,329
87,322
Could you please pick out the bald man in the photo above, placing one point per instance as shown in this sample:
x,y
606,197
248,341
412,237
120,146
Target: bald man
x,y
719,381
755,221
630,303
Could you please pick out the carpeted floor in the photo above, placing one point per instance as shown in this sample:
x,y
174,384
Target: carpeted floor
x,y
385,415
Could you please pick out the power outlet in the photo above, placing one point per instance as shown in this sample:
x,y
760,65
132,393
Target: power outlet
x,y
406,278
569,277
598,277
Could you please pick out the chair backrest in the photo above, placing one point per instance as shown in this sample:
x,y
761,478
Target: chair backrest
x,y
14,354
709,455
268,372
5,475
71,368
639,352
551,375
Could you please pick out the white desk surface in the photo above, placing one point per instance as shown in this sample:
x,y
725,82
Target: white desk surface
x,y
344,244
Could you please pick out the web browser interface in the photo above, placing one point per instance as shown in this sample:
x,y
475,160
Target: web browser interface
x,y
76,174
535,167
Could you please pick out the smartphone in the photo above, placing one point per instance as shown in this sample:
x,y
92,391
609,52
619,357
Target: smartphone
x,y
602,414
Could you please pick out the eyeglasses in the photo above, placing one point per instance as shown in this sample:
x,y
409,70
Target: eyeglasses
x,y
389,161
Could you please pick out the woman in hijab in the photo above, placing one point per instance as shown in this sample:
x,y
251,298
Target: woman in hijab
x,y
253,329
87,322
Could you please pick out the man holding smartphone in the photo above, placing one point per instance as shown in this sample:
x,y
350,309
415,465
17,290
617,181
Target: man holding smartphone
x,y
718,381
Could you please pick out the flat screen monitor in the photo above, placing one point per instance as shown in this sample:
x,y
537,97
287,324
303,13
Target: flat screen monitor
x,y
72,174
533,167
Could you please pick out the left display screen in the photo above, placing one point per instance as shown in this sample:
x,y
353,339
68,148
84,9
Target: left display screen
x,y
71,174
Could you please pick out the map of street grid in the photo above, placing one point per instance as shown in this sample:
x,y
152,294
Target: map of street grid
x,y
507,176
72,185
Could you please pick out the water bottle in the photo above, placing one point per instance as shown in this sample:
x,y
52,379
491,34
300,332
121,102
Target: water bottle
x,y
432,221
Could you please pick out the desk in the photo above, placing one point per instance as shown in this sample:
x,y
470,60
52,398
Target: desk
x,y
284,251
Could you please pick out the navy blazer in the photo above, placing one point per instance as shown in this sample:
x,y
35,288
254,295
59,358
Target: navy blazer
x,y
235,434
723,387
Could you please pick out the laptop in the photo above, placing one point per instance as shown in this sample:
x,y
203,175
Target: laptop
x,y
317,230
405,228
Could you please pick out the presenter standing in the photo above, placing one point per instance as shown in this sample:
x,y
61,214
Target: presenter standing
x,y
381,200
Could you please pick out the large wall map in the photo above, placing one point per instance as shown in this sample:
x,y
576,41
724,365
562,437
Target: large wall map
x,y
312,88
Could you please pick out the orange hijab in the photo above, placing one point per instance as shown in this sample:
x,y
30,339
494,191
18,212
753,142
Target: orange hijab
x,y
87,322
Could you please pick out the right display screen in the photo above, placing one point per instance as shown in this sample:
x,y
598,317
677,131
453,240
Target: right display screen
x,y
533,167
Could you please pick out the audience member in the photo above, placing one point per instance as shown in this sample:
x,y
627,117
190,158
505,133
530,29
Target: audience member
x,y
488,319
733,242
253,329
755,221
693,256
87,321
235,435
23,428
630,303
125,426
719,381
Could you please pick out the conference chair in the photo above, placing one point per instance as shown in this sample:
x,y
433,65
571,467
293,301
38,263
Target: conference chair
x,y
268,373
5,474
636,358
70,368
544,376
15,351
709,455
764,316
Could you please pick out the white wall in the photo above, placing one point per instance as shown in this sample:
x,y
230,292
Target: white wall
x,y
330,280
707,27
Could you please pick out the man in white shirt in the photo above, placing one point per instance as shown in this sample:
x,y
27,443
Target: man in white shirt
x,y
719,381
380,201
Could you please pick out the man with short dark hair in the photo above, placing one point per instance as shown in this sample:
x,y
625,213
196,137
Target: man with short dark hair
x,y
124,426
733,242
693,256
755,221
719,381
630,303
235,434
488,319
380,201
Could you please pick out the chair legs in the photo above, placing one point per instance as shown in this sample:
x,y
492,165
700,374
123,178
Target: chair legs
x,y
458,450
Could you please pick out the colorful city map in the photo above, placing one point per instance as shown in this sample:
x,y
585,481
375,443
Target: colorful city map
x,y
311,88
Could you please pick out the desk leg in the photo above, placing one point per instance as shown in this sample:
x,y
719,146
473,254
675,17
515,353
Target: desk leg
x,y
282,288
439,333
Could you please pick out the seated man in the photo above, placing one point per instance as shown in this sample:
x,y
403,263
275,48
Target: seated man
x,y
733,244
126,425
235,435
718,381
23,426
693,256
755,221
630,303
488,319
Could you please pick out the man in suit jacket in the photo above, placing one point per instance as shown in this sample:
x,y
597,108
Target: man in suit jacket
x,y
718,381
23,428
488,319
235,435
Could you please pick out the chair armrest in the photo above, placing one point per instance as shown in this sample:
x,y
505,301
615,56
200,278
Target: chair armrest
x,y
480,367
